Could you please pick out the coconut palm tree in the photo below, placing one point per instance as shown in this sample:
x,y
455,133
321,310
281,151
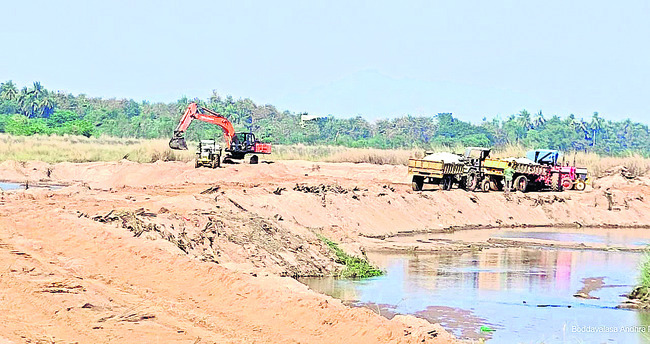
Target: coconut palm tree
x,y
45,106
524,119
8,91
596,125
538,120
25,100
38,90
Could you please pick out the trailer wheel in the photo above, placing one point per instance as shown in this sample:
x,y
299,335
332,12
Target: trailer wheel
x,y
485,185
196,164
495,185
580,185
254,159
418,182
521,183
567,184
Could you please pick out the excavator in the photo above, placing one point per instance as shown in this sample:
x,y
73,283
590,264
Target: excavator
x,y
237,144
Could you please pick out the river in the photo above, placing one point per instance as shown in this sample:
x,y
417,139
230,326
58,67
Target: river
x,y
506,295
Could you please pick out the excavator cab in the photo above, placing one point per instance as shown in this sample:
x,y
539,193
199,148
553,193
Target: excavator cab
x,y
243,142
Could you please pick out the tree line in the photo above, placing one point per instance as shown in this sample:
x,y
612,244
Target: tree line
x,y
36,110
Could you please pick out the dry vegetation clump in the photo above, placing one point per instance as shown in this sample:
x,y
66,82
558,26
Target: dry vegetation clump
x,y
53,149
344,154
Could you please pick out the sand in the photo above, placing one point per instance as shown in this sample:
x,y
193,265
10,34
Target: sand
x,y
208,256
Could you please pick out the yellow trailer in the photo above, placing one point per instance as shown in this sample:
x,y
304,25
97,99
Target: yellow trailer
x,y
527,175
434,172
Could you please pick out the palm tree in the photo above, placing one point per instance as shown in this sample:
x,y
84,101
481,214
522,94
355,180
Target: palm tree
x,y
25,99
38,90
580,126
45,106
8,91
596,125
538,120
524,119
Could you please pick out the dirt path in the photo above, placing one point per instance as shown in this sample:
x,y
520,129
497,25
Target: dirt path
x,y
197,255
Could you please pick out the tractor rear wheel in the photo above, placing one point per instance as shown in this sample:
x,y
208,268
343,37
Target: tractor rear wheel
x,y
580,185
254,159
556,185
472,181
567,184
521,183
418,182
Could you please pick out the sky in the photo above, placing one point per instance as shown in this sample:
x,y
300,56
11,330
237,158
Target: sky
x,y
377,59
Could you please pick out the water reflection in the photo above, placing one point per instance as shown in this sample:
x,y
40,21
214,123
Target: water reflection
x,y
526,294
609,237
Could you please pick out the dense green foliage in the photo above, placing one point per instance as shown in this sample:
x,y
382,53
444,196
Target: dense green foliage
x,y
355,267
37,110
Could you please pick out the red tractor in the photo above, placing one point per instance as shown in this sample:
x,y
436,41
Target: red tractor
x,y
569,176
237,144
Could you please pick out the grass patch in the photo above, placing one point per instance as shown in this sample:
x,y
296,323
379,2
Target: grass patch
x,y
355,267
642,291
66,148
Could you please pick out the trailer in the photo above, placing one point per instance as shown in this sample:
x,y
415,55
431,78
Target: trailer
x,y
528,176
425,171
446,169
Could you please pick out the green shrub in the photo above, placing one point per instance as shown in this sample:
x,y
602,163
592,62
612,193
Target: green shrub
x,y
355,267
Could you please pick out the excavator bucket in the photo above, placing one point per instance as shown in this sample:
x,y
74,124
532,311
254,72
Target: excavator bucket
x,y
178,142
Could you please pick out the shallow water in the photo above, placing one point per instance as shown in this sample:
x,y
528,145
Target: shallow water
x,y
609,238
11,186
525,295
8,186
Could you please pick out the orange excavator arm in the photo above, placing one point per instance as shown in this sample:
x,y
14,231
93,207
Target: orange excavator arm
x,y
202,114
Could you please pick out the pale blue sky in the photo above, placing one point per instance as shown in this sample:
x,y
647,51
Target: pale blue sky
x,y
374,58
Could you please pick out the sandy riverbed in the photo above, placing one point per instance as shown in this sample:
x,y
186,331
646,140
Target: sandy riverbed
x,y
207,256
